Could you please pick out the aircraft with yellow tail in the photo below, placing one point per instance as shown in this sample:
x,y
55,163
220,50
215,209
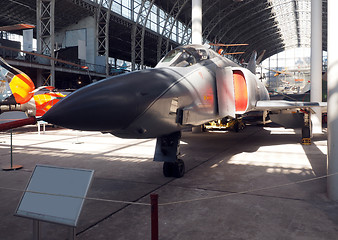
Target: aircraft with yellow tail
x,y
18,93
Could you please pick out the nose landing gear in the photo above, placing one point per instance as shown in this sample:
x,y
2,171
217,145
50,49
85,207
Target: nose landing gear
x,y
167,151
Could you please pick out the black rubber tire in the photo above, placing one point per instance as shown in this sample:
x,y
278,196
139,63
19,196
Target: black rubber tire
x,y
236,126
178,169
168,169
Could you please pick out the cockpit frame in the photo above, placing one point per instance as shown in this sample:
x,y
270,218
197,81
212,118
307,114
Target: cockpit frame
x,y
185,56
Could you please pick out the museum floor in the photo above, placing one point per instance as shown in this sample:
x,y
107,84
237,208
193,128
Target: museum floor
x,y
246,185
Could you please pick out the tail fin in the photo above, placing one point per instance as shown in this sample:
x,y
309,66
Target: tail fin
x,y
252,62
260,57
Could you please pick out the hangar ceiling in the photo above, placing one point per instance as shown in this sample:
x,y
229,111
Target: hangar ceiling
x,y
271,25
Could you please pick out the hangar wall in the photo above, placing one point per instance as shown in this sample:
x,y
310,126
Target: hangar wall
x,y
89,25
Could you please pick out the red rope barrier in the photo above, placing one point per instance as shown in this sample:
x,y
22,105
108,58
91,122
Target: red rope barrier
x,y
17,123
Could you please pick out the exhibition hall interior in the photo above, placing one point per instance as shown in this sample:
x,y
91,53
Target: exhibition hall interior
x,y
168,119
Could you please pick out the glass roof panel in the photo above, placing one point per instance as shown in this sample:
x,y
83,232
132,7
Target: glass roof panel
x,y
293,18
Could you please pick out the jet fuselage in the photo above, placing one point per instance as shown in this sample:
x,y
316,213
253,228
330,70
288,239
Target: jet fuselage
x,y
183,89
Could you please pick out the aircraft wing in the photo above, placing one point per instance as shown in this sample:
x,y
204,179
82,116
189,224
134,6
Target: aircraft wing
x,y
273,105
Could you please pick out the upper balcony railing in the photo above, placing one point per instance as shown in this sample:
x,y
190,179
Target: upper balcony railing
x,y
9,53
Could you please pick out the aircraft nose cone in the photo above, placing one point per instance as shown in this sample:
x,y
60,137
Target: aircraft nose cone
x,y
109,104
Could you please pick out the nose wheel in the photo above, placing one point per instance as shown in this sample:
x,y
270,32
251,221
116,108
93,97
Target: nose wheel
x,y
174,169
167,151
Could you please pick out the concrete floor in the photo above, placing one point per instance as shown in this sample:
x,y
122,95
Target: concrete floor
x,y
218,165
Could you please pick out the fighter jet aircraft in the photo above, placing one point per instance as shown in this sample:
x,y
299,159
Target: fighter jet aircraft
x,y
190,86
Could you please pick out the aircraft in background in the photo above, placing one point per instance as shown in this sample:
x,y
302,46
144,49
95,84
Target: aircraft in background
x,y
18,93
190,86
15,27
223,48
15,86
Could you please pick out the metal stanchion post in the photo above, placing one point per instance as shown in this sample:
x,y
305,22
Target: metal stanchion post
x,y
12,167
154,216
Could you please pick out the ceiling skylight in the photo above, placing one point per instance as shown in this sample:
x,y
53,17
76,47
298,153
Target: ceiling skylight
x,y
293,18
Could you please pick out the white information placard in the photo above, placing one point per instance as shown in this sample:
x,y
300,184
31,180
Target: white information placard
x,y
55,194
27,40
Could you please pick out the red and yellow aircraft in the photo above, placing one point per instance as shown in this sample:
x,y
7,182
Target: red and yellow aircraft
x,y
18,93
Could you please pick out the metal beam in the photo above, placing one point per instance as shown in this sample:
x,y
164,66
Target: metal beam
x,y
137,34
237,22
102,28
221,18
170,21
45,33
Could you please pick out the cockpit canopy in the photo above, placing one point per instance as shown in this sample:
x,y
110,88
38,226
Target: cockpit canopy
x,y
185,56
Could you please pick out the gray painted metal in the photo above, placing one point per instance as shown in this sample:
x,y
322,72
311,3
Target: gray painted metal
x,y
141,104
190,86
160,101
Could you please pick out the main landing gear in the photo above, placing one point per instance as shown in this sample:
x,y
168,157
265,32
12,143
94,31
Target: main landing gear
x,y
167,151
236,124
306,129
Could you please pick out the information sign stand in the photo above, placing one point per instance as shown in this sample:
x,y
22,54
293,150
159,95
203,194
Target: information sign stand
x,y
55,195
72,233
36,230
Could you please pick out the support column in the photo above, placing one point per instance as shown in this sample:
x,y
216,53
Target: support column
x,y
102,27
332,81
196,21
316,63
39,80
45,33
